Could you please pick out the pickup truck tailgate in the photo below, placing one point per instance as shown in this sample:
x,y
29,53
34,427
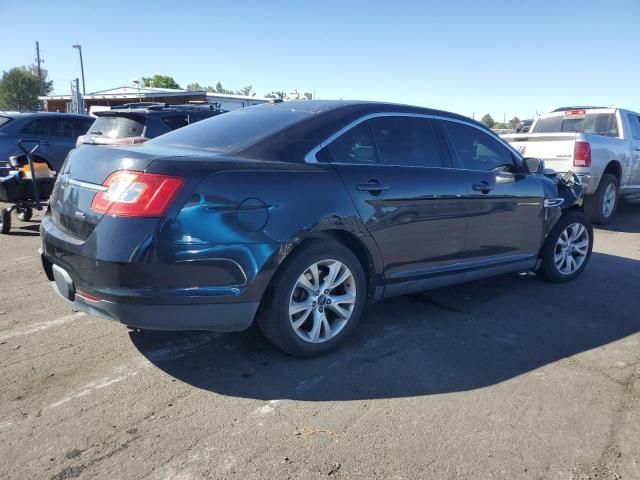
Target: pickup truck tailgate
x,y
556,149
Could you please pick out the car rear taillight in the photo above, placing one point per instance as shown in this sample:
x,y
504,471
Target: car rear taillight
x,y
575,112
136,194
582,154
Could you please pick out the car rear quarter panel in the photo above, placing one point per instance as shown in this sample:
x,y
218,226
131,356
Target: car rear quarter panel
x,y
257,213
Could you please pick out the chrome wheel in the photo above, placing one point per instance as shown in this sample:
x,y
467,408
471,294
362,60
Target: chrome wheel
x,y
571,249
322,301
609,200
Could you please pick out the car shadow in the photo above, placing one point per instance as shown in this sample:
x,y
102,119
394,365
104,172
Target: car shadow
x,y
447,340
25,230
626,219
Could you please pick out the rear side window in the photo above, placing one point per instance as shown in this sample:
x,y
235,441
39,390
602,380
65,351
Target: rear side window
x,y
354,146
475,149
117,127
407,141
594,123
176,121
4,120
64,127
82,125
634,120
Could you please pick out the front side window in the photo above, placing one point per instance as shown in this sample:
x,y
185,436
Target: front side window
x,y
407,141
477,150
354,146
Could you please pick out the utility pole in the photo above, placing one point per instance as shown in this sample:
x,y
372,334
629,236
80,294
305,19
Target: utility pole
x,y
79,47
39,69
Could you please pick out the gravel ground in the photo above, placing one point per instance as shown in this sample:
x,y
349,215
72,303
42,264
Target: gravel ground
x,y
503,378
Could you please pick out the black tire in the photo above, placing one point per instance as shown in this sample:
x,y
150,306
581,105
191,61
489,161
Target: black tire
x,y
548,269
5,220
594,204
273,318
24,213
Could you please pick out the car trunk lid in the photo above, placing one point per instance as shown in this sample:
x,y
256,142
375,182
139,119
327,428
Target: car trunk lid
x,y
82,177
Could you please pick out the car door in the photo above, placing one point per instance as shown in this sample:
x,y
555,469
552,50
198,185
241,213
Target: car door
x,y
397,171
504,205
634,122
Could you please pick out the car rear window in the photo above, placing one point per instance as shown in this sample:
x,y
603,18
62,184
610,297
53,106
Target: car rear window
x,y
595,123
116,127
233,131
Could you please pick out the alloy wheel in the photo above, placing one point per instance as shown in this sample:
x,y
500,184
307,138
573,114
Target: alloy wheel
x,y
571,249
322,301
609,200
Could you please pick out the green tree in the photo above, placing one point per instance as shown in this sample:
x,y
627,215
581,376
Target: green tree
x,y
276,94
19,90
246,91
488,121
195,87
513,123
160,81
47,85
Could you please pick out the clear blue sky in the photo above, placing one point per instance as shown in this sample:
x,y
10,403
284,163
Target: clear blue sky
x,y
512,57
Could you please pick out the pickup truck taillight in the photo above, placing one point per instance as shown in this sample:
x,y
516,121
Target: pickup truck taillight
x,y
582,154
136,194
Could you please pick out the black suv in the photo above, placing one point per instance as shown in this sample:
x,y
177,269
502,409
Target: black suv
x,y
138,122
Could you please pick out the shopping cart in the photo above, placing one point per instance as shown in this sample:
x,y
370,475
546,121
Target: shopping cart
x,y
24,186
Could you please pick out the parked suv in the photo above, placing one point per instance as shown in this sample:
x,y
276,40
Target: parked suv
x,y
298,215
133,123
56,132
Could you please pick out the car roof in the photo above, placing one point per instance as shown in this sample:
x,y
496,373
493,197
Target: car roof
x,y
363,106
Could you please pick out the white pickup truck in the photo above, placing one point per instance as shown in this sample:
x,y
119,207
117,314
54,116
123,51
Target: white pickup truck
x,y
600,145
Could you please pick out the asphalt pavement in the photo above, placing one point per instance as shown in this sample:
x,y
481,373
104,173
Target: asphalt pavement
x,y
508,377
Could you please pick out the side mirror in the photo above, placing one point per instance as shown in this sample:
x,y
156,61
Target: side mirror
x,y
534,165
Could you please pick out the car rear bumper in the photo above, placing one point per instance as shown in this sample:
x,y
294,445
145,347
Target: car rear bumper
x,y
219,317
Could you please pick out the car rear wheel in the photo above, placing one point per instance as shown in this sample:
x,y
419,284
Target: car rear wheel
x,y
601,206
315,301
567,249
5,220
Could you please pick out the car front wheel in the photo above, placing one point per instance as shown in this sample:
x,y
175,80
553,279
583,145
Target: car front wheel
x,y
315,301
567,249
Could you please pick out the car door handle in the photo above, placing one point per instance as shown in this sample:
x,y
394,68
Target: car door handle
x,y
483,187
45,144
636,149
373,187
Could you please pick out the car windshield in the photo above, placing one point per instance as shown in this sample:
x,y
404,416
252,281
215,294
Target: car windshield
x,y
116,127
595,123
233,131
